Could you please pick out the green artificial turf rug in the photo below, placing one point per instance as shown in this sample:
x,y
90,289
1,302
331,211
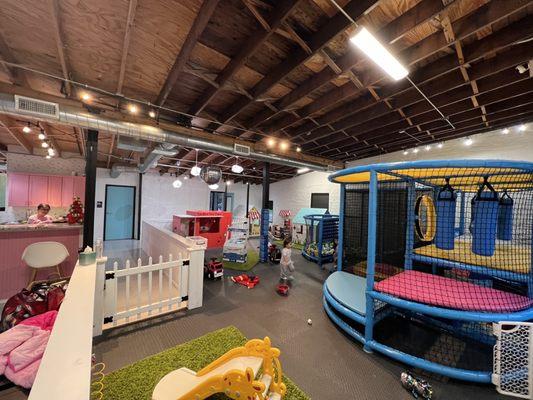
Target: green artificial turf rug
x,y
251,261
137,381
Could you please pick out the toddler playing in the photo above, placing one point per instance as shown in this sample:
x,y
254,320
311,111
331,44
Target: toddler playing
x,y
286,264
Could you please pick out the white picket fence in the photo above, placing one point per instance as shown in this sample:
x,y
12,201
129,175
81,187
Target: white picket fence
x,y
145,290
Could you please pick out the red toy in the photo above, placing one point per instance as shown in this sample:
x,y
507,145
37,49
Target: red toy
x,y
274,254
213,269
282,289
246,280
212,225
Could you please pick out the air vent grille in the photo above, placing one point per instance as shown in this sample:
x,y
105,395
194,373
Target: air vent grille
x,y
241,149
36,107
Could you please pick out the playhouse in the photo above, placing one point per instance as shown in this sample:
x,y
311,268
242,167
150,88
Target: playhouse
x,y
254,219
212,225
299,225
235,248
443,254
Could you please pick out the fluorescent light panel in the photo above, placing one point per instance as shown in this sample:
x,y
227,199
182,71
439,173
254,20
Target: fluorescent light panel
x,y
379,54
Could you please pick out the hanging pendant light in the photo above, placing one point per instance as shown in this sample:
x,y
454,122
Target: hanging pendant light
x,y
177,184
214,186
236,168
195,171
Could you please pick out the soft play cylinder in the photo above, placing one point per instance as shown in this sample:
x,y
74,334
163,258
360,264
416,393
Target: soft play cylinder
x,y
445,206
484,226
505,218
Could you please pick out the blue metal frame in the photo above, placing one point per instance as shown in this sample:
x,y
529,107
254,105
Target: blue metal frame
x,y
340,243
317,221
457,318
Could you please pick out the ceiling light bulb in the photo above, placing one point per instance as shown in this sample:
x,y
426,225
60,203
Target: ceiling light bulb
x,y
151,114
236,168
176,184
440,145
379,54
45,145
228,183
522,128
428,147
415,150
505,131
41,136
271,142
26,129
185,178
405,152
195,171
298,149
85,96
303,170
48,156
51,152
468,141
284,145
214,186
133,109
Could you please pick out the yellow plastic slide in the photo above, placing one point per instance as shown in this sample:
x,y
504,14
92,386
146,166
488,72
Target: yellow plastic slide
x,y
233,374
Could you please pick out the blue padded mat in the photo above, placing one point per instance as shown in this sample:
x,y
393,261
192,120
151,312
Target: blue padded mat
x,y
349,290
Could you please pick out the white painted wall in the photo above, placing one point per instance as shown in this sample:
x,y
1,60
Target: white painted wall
x,y
239,202
295,193
515,145
103,179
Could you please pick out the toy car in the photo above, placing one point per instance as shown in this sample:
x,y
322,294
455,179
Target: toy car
x,y
213,269
282,289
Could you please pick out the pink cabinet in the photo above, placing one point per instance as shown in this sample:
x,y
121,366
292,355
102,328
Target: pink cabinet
x,y
38,192
79,187
55,187
18,185
67,191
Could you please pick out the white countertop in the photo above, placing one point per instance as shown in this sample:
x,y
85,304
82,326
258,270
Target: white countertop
x,y
37,227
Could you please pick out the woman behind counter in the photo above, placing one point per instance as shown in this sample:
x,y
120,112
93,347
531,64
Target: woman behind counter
x,y
42,216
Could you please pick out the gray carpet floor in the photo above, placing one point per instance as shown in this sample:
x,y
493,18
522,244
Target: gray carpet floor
x,y
324,362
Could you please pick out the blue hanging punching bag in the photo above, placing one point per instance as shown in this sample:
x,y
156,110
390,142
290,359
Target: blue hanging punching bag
x,y
505,217
485,220
445,207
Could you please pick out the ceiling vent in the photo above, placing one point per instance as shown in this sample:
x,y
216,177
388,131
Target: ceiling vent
x,y
28,105
241,149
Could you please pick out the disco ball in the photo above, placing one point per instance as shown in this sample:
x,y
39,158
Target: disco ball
x,y
211,174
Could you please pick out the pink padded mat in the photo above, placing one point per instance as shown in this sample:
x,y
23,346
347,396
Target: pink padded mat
x,y
450,293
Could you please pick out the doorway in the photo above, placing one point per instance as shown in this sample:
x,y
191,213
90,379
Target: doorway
x,y
119,216
217,203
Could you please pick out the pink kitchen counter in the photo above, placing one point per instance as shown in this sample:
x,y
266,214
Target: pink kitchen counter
x,y
14,274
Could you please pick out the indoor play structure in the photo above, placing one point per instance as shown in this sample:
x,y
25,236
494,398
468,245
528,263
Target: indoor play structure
x,y
254,218
281,232
236,246
298,223
235,374
454,295
212,225
321,232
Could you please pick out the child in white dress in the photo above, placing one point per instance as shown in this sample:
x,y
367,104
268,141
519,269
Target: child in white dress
x,y
286,264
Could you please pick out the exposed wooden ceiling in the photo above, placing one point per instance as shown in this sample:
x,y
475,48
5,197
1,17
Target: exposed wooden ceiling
x,y
252,69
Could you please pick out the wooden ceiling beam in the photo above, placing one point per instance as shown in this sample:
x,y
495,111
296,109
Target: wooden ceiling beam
x,y
7,123
254,42
132,8
202,18
257,14
316,41
58,35
466,26
111,149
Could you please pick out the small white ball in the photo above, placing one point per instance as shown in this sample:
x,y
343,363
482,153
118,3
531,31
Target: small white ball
x,y
309,322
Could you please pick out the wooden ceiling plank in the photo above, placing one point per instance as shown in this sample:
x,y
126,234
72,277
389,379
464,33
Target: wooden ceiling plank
x,y
198,26
257,14
132,8
111,150
254,42
7,123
